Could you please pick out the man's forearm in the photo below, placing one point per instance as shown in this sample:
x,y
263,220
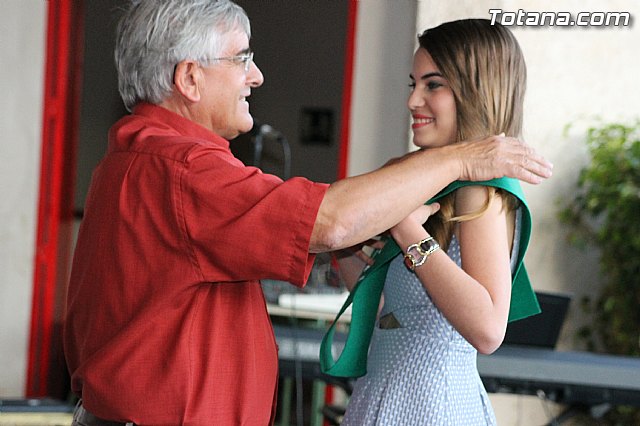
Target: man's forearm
x,y
360,207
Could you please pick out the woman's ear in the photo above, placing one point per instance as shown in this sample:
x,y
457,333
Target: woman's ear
x,y
187,79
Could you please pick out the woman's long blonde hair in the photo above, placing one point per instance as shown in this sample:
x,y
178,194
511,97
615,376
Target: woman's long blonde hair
x,y
485,69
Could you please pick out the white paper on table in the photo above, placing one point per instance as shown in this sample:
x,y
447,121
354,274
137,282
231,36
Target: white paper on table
x,y
330,303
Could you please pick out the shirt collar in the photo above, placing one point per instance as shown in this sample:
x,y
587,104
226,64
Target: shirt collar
x,y
181,124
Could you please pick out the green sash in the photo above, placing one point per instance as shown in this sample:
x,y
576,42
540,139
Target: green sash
x,y
365,296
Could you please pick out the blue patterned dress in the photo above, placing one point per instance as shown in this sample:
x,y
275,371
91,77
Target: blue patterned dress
x,y
425,372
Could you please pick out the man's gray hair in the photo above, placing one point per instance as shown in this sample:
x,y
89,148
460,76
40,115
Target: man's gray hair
x,y
155,35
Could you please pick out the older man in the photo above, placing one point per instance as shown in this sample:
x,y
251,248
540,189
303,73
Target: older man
x,y
166,320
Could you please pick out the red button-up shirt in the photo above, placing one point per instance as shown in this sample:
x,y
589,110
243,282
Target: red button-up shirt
x,y
166,320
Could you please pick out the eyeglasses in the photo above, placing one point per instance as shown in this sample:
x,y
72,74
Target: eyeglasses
x,y
245,58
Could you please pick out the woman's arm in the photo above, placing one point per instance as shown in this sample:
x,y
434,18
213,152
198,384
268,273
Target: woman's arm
x,y
475,298
351,261
350,268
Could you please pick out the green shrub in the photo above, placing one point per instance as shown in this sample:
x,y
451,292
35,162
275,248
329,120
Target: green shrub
x,y
605,212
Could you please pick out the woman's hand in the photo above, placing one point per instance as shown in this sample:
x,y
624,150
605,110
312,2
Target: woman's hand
x,y
410,228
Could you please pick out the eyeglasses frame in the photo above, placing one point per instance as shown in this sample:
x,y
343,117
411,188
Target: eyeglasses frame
x,y
245,58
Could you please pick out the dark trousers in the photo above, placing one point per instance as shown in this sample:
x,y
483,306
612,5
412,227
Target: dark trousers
x,y
82,417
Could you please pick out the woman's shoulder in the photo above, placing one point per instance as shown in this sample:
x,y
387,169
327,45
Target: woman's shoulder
x,y
469,199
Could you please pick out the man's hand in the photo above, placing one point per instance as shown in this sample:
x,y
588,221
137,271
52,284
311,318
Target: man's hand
x,y
498,156
358,251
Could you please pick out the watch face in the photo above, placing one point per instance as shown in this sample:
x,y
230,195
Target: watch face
x,y
418,253
409,262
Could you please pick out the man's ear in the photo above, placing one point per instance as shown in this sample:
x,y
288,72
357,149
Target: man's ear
x,y
187,79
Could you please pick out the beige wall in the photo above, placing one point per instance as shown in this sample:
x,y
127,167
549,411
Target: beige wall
x,y
21,84
573,73
379,117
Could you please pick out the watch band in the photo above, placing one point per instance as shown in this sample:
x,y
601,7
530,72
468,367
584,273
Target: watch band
x,y
418,253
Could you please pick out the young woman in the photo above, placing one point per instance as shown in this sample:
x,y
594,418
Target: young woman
x,y
449,296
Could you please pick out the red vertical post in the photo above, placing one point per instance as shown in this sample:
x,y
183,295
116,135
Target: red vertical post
x,y
347,89
55,202
345,128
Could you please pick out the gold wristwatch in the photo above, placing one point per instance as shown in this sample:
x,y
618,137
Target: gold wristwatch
x,y
417,254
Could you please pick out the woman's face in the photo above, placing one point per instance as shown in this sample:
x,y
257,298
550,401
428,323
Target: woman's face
x,y
432,104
